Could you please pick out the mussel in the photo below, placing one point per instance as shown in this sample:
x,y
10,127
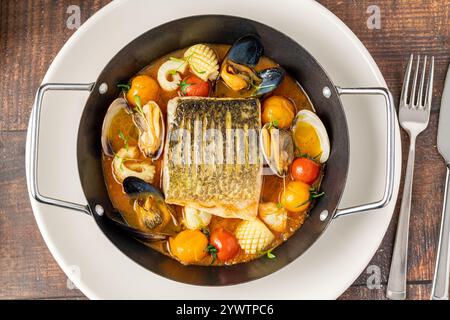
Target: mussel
x,y
238,72
277,148
154,215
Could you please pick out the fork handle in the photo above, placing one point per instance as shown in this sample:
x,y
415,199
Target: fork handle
x,y
441,273
396,288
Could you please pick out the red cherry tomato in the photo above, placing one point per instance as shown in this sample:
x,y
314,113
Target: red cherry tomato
x,y
193,86
305,170
226,244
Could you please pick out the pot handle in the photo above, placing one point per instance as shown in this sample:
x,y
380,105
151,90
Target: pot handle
x,y
390,156
33,155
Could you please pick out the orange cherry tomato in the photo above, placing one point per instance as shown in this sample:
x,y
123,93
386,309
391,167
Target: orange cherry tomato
x,y
145,87
305,170
193,86
226,244
296,197
278,109
189,246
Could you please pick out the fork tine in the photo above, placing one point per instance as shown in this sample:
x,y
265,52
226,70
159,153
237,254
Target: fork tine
x,y
429,93
404,95
422,82
412,101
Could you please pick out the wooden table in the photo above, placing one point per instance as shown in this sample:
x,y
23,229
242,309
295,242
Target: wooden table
x,y
33,31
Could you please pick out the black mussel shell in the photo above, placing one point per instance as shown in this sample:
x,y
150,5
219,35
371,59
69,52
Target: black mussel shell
x,y
271,79
246,50
136,187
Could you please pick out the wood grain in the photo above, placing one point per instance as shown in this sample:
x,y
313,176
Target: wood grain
x,y
33,31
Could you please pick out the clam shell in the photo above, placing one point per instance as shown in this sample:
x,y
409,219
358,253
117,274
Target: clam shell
x,y
115,107
277,148
203,62
151,130
312,119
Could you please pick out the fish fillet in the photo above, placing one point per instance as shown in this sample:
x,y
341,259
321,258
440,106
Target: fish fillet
x,y
212,159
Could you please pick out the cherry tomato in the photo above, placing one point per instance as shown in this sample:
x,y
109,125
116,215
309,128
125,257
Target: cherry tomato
x,y
193,86
296,197
305,170
189,246
279,110
226,244
145,87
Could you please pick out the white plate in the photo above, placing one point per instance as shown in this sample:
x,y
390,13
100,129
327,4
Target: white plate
x,y
330,266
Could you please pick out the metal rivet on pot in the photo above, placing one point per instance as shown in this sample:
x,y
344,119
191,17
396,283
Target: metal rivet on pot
x,y
326,92
323,215
103,88
99,210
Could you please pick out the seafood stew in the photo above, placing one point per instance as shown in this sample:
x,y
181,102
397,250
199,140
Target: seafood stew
x,y
216,151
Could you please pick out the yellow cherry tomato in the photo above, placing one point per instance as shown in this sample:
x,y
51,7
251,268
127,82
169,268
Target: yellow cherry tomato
x,y
145,87
296,197
189,246
278,109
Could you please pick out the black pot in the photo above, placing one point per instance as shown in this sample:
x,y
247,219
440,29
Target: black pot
x,y
171,36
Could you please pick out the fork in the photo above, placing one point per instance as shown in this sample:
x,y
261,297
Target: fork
x,y
414,115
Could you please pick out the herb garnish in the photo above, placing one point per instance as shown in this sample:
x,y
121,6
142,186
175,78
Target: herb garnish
x,y
212,251
314,194
269,254
299,154
183,86
138,108
273,124
181,61
124,139
124,87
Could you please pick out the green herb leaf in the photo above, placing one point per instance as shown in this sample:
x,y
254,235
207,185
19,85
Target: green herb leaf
x,y
212,251
124,139
124,87
138,108
316,194
273,124
183,86
270,255
177,60
173,72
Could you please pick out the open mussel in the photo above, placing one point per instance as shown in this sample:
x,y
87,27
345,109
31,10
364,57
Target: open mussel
x,y
238,72
154,215
277,148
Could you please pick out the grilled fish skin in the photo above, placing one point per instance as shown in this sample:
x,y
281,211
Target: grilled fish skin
x,y
212,159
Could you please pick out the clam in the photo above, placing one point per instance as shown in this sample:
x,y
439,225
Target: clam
x,y
203,61
277,148
117,106
310,136
150,122
238,72
154,215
